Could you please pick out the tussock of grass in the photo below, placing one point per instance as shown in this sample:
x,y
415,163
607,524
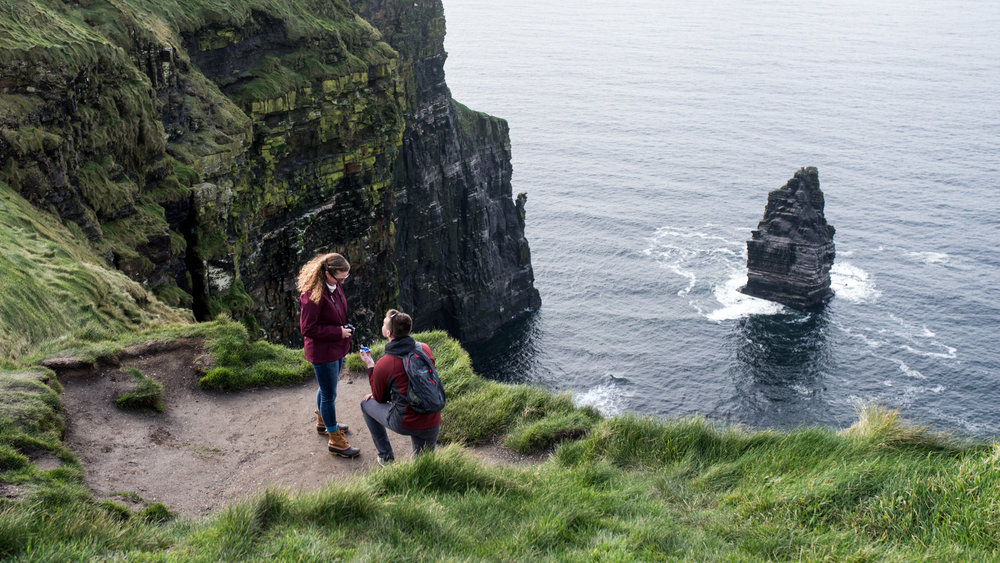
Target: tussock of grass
x,y
884,427
241,363
451,471
29,406
146,394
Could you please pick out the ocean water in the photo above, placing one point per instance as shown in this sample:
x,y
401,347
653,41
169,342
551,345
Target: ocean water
x,y
647,135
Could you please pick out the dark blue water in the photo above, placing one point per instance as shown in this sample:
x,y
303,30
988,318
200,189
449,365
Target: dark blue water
x,y
647,134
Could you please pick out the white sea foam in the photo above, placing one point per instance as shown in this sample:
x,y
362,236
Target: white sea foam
x,y
949,354
691,277
693,254
861,335
606,398
736,305
930,257
667,232
907,370
853,284
916,334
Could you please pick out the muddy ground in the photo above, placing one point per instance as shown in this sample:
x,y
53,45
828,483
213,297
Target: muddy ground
x,y
209,449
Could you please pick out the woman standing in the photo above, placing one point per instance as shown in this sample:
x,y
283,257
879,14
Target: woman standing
x,y
323,322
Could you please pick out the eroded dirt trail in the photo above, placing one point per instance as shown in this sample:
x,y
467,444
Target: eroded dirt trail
x,y
209,449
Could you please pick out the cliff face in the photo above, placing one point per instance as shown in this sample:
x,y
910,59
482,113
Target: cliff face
x,y
464,263
326,122
209,151
791,252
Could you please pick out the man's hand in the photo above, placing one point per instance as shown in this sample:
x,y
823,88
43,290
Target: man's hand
x,y
366,357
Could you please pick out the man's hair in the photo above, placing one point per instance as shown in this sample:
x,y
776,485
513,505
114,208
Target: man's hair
x,y
400,323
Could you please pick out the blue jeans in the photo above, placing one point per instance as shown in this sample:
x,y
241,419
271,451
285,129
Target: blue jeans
x,y
376,417
327,376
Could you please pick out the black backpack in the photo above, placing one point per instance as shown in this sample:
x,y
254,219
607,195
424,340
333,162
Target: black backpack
x,y
425,393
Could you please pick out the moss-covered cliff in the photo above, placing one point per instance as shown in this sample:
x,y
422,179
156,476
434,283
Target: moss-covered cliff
x,y
207,149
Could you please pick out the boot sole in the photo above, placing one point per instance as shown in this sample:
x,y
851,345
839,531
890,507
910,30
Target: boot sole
x,y
342,454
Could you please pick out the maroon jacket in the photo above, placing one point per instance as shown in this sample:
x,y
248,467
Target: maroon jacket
x,y
389,384
321,324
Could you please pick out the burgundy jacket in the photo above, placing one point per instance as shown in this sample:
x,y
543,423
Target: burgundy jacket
x,y
321,324
389,384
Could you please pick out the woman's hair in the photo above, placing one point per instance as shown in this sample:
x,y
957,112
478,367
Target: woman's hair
x,y
400,324
311,279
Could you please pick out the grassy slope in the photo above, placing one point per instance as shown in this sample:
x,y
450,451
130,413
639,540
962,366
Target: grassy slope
x,y
52,285
621,489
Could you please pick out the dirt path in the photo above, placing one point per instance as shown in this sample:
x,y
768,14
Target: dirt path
x,y
209,449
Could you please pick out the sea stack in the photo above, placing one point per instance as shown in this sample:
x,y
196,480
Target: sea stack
x,y
790,253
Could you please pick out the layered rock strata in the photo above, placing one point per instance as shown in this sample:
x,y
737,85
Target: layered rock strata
x,y
209,151
463,261
790,254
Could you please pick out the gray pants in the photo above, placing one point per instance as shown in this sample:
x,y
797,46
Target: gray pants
x,y
376,417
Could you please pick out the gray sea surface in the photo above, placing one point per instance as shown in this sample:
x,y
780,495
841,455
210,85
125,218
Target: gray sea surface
x,y
647,135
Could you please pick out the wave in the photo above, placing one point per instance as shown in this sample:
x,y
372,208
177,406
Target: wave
x,y
930,257
908,371
853,284
736,305
950,354
606,398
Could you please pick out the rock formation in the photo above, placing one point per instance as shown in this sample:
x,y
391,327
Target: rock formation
x,y
209,152
790,253
463,261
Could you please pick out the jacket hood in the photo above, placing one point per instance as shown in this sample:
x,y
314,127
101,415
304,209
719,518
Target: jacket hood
x,y
401,346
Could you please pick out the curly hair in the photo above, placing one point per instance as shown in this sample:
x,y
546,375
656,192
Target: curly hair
x,y
311,279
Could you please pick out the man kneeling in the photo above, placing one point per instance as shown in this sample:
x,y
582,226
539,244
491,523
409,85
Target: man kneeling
x,y
387,405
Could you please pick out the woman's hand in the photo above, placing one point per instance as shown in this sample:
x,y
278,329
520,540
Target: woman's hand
x,y
366,357
346,332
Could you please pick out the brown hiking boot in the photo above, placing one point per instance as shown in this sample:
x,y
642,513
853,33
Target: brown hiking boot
x,y
338,445
321,427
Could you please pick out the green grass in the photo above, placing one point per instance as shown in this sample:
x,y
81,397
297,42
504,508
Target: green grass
x,y
147,393
625,488
714,495
53,284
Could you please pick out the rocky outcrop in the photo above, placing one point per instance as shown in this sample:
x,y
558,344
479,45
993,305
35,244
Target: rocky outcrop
x,y
464,264
209,152
790,254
